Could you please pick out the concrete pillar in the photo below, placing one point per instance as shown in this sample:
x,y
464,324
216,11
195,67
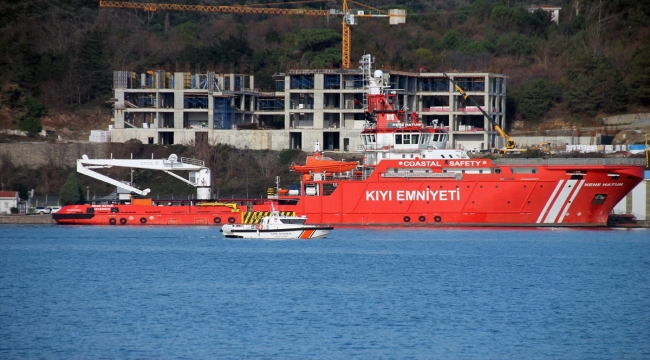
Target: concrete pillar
x,y
210,110
319,81
639,200
178,109
232,82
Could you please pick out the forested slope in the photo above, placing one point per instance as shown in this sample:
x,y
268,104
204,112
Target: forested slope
x,y
595,61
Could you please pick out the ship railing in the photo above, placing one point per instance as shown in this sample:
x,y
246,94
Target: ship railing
x,y
455,176
572,161
374,147
190,161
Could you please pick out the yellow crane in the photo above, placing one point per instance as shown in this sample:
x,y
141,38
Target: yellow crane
x,y
511,145
396,16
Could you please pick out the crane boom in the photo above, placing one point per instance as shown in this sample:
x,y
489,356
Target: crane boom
x,y
397,16
199,174
510,144
211,8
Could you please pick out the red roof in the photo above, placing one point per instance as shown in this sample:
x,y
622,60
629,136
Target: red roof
x,y
8,194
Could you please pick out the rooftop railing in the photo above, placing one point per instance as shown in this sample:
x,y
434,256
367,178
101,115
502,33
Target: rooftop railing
x,y
572,161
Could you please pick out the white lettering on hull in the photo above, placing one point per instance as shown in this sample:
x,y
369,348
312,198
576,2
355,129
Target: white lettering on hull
x,y
413,195
428,163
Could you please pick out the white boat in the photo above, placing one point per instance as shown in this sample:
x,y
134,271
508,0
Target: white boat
x,y
276,226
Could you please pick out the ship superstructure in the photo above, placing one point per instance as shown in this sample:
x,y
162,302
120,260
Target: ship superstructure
x,y
409,176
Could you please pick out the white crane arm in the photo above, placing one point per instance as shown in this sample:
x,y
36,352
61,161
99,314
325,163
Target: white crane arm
x,y
86,171
199,175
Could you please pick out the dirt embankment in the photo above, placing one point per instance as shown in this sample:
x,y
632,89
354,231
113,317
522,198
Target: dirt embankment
x,y
60,126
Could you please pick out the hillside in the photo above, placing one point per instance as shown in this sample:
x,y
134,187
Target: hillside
x,y
594,62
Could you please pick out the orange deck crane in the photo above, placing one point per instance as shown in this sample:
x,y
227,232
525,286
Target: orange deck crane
x,y
396,16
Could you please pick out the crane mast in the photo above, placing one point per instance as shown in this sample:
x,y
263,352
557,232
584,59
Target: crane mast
x,y
510,144
396,16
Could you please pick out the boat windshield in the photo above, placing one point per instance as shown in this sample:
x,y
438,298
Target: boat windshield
x,y
293,221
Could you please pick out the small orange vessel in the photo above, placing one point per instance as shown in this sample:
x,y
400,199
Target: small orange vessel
x,y
318,163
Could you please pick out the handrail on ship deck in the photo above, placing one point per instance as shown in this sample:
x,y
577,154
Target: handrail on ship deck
x,y
191,161
571,161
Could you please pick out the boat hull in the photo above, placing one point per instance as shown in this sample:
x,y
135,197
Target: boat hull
x,y
564,195
536,196
230,231
145,215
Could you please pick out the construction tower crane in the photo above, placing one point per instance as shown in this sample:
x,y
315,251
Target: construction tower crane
x,y
396,16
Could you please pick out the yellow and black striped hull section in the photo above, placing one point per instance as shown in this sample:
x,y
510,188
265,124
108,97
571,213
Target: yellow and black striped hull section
x,y
254,217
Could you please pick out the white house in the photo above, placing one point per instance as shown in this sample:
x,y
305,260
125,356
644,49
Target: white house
x,y
554,10
8,199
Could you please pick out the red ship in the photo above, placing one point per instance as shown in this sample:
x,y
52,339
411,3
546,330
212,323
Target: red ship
x,y
408,177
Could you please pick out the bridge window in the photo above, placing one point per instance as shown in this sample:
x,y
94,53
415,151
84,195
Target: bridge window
x,y
398,139
415,138
328,188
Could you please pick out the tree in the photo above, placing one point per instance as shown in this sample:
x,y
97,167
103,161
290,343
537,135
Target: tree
x,y
450,41
71,192
534,99
581,96
31,120
640,76
317,39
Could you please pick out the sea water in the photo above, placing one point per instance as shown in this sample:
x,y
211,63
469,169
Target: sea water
x,y
364,293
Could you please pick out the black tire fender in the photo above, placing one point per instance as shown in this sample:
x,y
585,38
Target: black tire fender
x,y
231,220
112,221
217,220
422,218
437,219
123,221
143,220
407,219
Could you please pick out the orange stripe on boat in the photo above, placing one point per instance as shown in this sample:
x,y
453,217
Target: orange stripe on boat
x,y
307,234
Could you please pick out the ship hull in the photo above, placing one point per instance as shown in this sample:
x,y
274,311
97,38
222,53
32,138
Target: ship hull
x,y
539,196
277,234
548,197
144,215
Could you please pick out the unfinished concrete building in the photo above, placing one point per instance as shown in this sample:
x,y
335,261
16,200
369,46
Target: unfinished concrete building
x,y
307,106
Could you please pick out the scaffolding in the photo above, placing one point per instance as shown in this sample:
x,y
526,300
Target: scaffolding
x,y
223,113
434,85
471,84
270,104
302,81
139,100
354,82
195,102
332,82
